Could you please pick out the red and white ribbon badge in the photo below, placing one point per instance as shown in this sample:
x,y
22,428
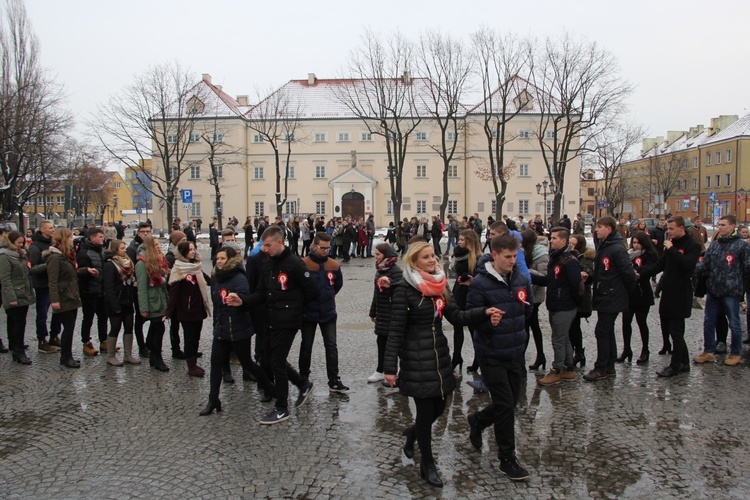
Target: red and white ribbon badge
x,y
223,294
28,264
682,251
331,278
521,295
557,272
190,278
605,261
730,259
700,259
439,306
638,261
282,278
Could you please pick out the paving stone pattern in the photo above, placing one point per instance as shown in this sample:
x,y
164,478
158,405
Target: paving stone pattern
x,y
106,432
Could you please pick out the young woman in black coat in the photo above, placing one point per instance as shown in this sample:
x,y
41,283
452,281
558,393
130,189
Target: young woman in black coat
x,y
643,254
119,296
465,257
416,339
380,309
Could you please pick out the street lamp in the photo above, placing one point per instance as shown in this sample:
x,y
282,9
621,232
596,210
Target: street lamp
x,y
542,189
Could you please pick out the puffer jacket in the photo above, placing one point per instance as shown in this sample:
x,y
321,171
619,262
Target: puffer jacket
x,y
90,255
417,339
507,340
539,263
382,300
587,266
230,323
727,263
678,264
39,244
613,277
327,273
642,296
119,296
152,299
14,277
63,276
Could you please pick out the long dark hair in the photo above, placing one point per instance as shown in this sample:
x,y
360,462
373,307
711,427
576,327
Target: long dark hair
x,y
529,240
646,243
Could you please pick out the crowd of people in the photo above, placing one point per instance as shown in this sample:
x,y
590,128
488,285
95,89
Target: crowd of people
x,y
290,280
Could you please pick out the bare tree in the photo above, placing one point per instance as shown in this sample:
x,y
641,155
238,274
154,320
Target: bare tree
x,y
581,92
32,121
382,96
446,64
154,117
276,119
610,149
502,60
219,155
667,170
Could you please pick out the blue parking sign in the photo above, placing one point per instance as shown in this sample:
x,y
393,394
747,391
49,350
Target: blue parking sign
x,y
187,195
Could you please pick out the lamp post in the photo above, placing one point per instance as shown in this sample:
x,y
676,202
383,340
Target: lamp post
x,y
542,189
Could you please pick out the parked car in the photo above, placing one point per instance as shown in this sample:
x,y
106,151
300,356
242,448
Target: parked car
x,y
8,225
652,222
588,219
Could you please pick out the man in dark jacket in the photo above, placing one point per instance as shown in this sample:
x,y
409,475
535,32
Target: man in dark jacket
x,y
500,348
90,257
436,231
322,311
285,286
120,230
677,262
41,241
726,267
613,279
213,240
187,228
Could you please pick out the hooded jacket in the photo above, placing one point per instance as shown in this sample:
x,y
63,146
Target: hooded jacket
x,y
63,276
39,244
613,277
90,255
563,279
14,277
119,296
727,264
510,293
327,273
230,323
382,300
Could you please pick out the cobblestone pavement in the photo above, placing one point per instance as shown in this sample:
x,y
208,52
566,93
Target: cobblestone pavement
x,y
105,432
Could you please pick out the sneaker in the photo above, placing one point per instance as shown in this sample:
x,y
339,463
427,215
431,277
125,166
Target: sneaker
x,y
55,341
89,349
46,348
732,360
275,416
611,371
304,393
511,468
337,386
552,378
721,348
705,357
568,375
375,377
478,385
596,374
475,432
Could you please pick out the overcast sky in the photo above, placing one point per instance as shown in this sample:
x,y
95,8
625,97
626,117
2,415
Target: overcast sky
x,y
689,60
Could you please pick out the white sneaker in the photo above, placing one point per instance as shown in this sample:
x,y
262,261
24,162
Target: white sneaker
x,y
375,377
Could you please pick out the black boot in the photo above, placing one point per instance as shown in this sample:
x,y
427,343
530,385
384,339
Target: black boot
x,y
626,354
213,404
21,357
540,361
3,349
429,474
580,357
457,361
643,358
473,367
411,435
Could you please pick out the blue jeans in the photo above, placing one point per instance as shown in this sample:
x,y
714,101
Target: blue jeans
x,y
451,243
370,239
730,306
328,331
42,309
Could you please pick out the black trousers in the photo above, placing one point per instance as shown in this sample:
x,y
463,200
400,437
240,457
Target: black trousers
x,y
278,343
328,332
138,326
606,345
192,331
532,324
641,317
428,411
68,321
117,321
503,379
155,335
16,327
382,341
91,306
220,350
676,329
174,334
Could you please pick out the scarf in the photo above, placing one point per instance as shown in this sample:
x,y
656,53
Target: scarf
x,y
159,278
124,268
385,264
634,253
431,285
71,257
182,269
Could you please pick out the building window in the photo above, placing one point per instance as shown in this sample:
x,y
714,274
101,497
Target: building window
x,y
452,207
171,138
257,138
550,206
452,136
523,206
453,171
420,136
195,172
61,200
729,180
290,172
195,137
708,181
695,183
421,206
290,208
365,137
343,137
718,157
118,185
493,206
729,156
320,137
257,172
217,138
289,137
718,181
259,210
390,172
320,171
708,159
219,171
195,209
220,208
320,207
421,171
524,134
549,134
695,162
389,207
523,170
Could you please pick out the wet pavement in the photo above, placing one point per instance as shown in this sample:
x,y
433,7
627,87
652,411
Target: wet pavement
x,y
106,432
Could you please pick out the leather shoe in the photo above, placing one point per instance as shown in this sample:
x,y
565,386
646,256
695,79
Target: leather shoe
x,y
475,432
668,372
429,474
684,368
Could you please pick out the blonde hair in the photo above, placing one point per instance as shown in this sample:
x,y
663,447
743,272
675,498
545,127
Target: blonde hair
x,y
412,255
153,256
60,241
473,246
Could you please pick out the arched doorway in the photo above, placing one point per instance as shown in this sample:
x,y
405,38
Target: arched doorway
x,y
353,205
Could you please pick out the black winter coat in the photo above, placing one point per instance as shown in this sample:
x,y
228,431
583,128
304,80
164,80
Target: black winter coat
x,y
613,277
587,266
38,245
417,339
461,267
327,273
507,340
642,296
90,255
562,281
382,300
285,287
185,302
118,295
678,264
230,323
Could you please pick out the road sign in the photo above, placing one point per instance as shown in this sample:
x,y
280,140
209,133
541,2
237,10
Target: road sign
x,y
187,195
187,206
712,196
